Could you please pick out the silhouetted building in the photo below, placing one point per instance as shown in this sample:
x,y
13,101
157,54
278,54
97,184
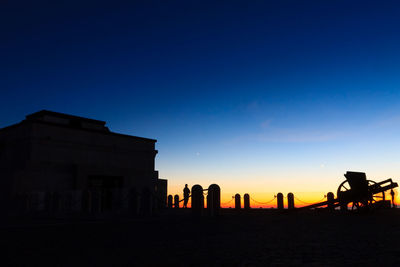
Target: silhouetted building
x,y
60,160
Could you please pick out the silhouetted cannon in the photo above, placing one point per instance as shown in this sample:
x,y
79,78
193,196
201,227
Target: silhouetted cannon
x,y
359,193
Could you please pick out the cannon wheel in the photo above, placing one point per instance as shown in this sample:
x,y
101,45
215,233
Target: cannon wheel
x,y
345,186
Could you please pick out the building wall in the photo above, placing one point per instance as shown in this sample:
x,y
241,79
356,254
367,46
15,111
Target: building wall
x,y
46,157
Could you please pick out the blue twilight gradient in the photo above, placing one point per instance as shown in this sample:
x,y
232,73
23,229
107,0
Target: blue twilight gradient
x,y
233,90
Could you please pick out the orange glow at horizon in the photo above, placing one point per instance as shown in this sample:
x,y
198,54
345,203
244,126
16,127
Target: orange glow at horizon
x,y
268,200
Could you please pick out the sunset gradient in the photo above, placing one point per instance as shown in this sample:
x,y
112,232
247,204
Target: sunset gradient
x,y
259,97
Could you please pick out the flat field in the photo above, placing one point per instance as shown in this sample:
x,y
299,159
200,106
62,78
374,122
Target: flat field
x,y
255,238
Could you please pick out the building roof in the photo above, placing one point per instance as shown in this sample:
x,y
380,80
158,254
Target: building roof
x,y
41,115
71,121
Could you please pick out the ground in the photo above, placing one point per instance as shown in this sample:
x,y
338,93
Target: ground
x,y
256,238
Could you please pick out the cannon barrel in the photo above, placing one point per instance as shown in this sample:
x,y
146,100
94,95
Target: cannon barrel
x,y
381,187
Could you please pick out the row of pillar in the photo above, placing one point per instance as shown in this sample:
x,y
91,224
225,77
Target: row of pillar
x,y
290,201
279,196
213,200
173,202
280,201
128,201
246,201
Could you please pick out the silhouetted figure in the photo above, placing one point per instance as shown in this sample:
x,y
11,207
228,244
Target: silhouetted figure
x,y
186,194
392,194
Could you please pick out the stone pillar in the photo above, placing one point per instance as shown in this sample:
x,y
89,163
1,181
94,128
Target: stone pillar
x,y
56,202
331,200
146,202
133,201
246,200
48,201
237,202
95,201
86,201
279,198
106,200
290,199
176,201
214,200
76,200
169,202
197,200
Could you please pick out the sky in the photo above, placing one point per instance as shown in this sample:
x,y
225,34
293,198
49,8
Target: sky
x,y
259,97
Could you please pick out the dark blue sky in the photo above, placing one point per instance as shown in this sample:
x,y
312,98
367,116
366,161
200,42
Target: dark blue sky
x,y
275,80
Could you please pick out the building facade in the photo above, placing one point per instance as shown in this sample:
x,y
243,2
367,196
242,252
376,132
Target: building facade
x,y
50,159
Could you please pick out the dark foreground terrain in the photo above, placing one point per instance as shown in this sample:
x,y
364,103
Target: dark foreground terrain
x,y
258,238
